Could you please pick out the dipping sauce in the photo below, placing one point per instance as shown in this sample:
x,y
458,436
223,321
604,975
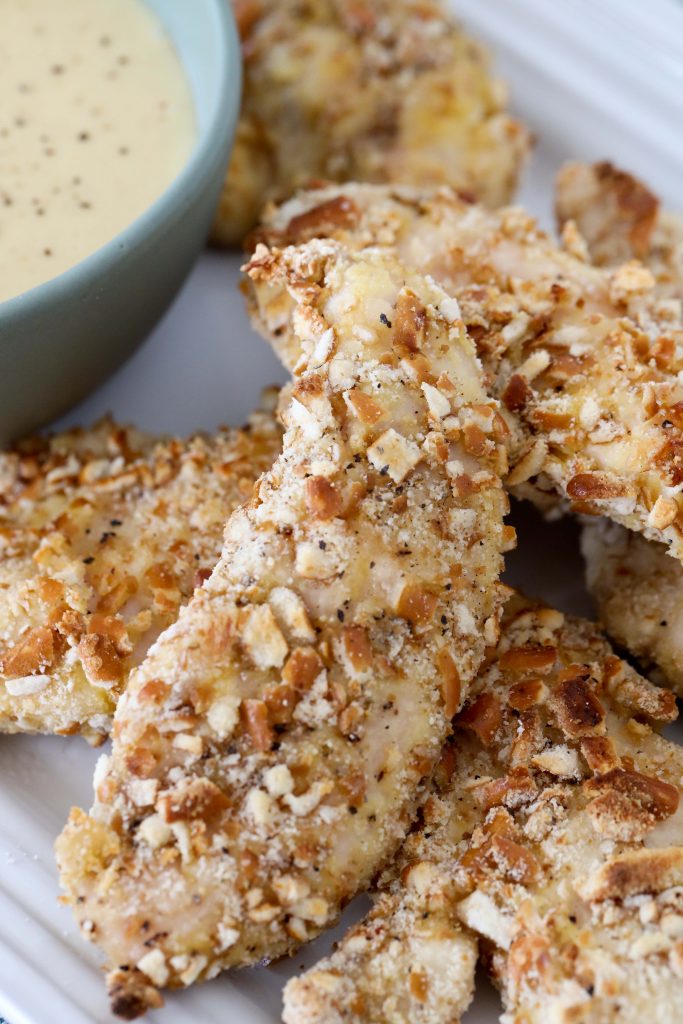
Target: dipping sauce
x,y
96,119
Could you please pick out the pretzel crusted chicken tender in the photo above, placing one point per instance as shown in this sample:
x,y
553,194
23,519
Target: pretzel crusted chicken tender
x,y
553,838
268,754
618,219
368,90
104,534
637,588
585,361
638,591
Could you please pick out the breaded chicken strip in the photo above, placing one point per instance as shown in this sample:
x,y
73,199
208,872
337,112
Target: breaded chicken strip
x,y
368,90
268,753
586,361
553,838
620,219
637,588
104,534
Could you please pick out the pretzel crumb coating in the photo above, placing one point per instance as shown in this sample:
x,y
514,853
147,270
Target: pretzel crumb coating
x,y
552,838
616,218
104,534
268,753
385,91
586,362
408,960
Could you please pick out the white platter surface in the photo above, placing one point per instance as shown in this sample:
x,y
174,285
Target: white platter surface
x,y
595,79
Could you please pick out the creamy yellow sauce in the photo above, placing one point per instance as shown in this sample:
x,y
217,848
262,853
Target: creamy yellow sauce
x,y
96,119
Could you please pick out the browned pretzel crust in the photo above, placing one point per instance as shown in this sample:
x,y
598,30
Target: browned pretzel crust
x,y
368,90
268,753
104,534
585,361
552,838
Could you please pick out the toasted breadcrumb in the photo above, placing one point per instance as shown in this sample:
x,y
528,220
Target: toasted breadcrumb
x,y
620,219
368,90
552,837
104,534
585,361
322,662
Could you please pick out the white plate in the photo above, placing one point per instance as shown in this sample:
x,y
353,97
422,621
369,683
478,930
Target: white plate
x,y
594,80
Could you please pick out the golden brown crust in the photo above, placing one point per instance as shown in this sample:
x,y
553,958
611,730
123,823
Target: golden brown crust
x,y
104,534
586,361
386,91
268,752
614,217
578,914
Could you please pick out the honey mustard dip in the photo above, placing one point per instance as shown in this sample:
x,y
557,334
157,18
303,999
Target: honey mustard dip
x,y
96,120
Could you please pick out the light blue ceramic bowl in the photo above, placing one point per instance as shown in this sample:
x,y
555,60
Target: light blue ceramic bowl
x,y
59,340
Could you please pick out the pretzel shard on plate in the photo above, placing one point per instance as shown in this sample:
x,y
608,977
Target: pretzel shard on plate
x,y
552,839
369,90
104,534
268,753
585,361
618,218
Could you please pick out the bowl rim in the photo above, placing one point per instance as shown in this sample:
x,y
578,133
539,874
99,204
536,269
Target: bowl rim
x,y
212,140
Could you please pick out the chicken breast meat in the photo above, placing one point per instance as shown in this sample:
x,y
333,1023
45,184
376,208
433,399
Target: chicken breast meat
x,y
584,360
104,534
552,841
269,752
368,90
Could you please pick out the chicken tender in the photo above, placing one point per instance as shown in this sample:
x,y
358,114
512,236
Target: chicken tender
x,y
373,90
269,752
585,361
104,534
637,588
619,219
553,839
